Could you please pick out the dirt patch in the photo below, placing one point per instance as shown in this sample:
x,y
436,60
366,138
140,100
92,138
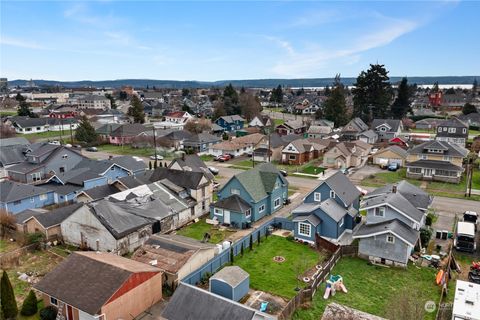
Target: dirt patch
x,y
275,304
279,259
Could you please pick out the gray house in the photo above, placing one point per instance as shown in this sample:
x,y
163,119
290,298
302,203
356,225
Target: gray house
x,y
387,129
353,129
395,214
453,131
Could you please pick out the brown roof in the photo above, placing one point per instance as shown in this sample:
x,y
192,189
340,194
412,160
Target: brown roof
x,y
251,139
87,280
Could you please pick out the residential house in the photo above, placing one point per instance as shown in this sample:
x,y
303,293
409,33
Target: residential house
x,y
126,132
176,138
191,302
93,101
353,129
395,215
390,155
347,154
28,125
230,123
104,131
46,222
453,131
98,193
368,136
318,131
428,123
200,143
278,143
401,142
387,129
301,151
249,196
331,210
436,160
42,161
238,146
178,117
16,197
472,119
96,286
190,162
12,151
261,121
175,255
291,127
109,116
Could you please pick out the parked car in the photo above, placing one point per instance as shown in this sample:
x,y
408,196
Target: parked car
x,y
77,146
283,172
471,216
224,158
159,157
55,142
213,170
92,149
465,237
345,171
217,158
393,167
231,155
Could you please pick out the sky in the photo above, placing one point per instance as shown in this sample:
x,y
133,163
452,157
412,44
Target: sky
x,y
226,40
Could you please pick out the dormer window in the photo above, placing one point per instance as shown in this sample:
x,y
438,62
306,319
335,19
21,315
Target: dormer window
x,y
332,194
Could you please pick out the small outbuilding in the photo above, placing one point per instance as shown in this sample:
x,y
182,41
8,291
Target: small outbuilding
x,y
230,282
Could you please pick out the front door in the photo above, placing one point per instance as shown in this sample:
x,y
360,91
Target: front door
x,y
427,172
226,217
69,312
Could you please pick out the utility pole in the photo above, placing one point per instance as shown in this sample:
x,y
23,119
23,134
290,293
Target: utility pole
x,y
71,134
61,130
155,144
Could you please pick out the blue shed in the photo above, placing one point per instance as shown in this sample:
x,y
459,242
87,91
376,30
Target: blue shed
x,y
230,282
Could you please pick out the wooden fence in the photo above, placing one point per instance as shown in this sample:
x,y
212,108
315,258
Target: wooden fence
x,y
308,293
11,259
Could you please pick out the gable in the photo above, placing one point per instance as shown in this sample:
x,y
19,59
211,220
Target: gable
x,y
290,148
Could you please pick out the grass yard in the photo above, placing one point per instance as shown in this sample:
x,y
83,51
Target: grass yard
x,y
278,122
197,231
372,289
310,169
8,113
6,245
38,263
243,163
207,157
127,150
277,278
53,135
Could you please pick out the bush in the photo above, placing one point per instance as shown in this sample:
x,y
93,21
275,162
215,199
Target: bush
x,y
35,237
290,238
29,307
425,235
428,220
48,313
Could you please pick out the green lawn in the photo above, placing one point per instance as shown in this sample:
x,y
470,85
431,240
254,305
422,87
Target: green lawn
x,y
207,157
278,122
310,169
197,231
127,150
476,179
6,245
277,278
8,113
53,135
382,178
372,288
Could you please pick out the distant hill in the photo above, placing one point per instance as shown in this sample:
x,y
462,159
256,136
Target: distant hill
x,y
254,83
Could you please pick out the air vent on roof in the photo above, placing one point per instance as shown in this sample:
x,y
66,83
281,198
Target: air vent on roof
x,y
153,262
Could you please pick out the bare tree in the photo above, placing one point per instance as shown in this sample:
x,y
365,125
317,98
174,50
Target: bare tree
x,y
249,105
6,131
7,222
199,125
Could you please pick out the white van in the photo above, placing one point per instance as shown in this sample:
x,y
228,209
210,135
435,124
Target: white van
x,y
465,237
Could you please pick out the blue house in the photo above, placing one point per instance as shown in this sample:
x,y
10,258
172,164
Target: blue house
x,y
330,210
16,197
249,196
230,123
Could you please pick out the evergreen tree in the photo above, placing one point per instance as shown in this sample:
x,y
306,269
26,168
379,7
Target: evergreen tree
x,y
9,304
401,105
185,92
372,93
29,307
230,93
469,108
85,131
113,105
335,107
327,91
48,313
435,87
24,109
136,110
277,94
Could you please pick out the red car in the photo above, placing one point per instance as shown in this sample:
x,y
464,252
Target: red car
x,y
224,158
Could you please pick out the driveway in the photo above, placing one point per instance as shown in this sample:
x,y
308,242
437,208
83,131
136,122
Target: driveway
x,y
363,173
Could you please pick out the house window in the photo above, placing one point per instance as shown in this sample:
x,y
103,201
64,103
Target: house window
x,y
423,156
380,212
464,130
292,157
261,208
235,191
43,197
15,203
332,194
32,199
304,229
36,176
62,169
277,203
53,301
248,213
342,222
218,212
447,158
317,196
65,156
390,239
452,130
203,205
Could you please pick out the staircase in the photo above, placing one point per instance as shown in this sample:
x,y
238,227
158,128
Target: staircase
x,y
60,315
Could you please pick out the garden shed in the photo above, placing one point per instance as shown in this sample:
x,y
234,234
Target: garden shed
x,y
230,282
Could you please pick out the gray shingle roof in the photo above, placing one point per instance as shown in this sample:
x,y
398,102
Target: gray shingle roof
x,y
194,163
342,186
306,207
233,275
52,218
185,179
192,303
234,203
395,149
396,226
14,142
313,219
397,201
417,197
450,149
333,209
13,191
101,192
355,125
394,124
232,118
434,164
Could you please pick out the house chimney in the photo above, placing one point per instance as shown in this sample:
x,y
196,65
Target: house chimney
x,y
394,188
110,157
183,156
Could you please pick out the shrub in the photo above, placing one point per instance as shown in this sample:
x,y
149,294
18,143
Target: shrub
x,y
429,220
425,235
9,304
205,277
48,313
35,237
29,307
290,238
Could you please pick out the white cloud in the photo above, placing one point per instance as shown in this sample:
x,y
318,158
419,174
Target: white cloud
x,y
15,42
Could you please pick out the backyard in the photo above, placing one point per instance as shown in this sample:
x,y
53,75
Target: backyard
x,y
372,288
278,278
444,189
198,229
53,135
127,150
